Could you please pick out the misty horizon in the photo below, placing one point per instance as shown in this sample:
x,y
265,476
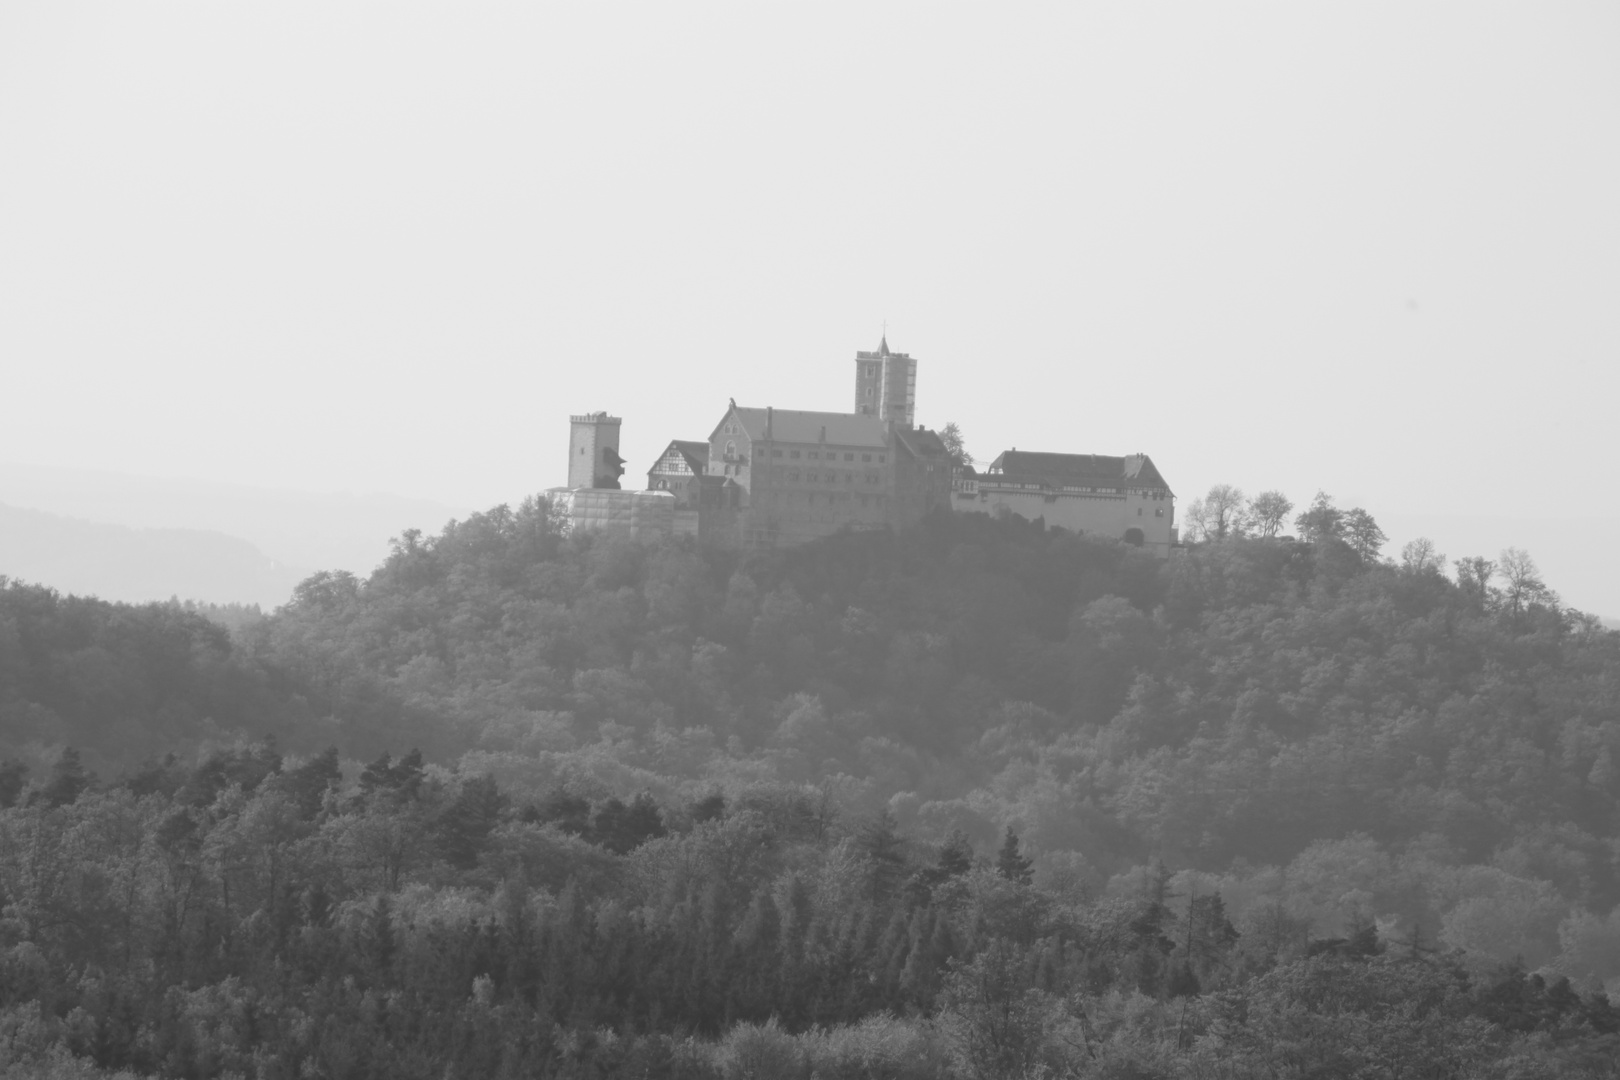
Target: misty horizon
x,y
718,540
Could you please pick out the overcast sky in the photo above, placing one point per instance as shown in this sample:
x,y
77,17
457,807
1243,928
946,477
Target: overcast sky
x,y
1367,248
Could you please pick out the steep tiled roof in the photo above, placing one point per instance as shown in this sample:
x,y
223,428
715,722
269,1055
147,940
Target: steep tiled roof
x,y
921,442
697,453
1061,470
793,425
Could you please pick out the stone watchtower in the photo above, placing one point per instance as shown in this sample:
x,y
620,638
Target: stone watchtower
x,y
593,451
886,385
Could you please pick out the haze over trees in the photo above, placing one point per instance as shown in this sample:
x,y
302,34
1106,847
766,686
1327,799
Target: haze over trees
x,y
974,799
136,565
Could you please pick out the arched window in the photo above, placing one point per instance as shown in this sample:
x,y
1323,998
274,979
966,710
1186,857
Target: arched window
x,y
731,449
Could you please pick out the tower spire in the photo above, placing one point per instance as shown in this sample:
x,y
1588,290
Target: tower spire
x,y
886,383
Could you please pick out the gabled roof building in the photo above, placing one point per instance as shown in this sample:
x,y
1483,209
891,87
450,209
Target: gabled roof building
x,y
768,476
807,474
682,470
678,468
1123,498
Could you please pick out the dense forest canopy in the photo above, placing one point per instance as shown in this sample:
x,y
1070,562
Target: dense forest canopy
x,y
868,791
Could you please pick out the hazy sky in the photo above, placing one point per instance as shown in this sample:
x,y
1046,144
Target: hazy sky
x,y
1367,248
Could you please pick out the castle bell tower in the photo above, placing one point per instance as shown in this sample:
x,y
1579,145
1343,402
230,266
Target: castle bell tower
x,y
593,451
886,385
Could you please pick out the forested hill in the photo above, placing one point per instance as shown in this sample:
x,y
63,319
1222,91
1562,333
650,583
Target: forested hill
x,y
1237,703
1318,739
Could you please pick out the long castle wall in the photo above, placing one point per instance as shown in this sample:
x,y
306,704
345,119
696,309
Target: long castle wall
x,y
639,515
1093,514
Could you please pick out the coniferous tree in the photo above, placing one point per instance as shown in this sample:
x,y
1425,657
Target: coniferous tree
x,y
1011,863
709,808
464,827
67,781
1321,520
13,775
307,784
955,855
378,940
567,811
878,841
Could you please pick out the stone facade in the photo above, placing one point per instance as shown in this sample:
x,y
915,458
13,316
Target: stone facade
x,y
1123,498
886,385
679,471
801,474
594,500
683,471
767,477
593,450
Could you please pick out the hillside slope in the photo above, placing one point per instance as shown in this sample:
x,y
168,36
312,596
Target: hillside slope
x,y
1235,709
957,802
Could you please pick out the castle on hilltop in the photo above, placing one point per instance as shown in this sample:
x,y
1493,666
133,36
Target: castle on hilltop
x,y
768,477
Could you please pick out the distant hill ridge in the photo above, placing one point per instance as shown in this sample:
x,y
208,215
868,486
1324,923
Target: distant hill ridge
x,y
136,538
118,563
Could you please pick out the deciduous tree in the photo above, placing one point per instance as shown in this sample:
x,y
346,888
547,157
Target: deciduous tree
x,y
1219,514
1474,575
1362,533
1321,521
1420,556
1522,582
1268,510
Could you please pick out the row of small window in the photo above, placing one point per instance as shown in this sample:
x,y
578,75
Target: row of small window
x,y
994,480
817,478
1158,511
777,498
828,455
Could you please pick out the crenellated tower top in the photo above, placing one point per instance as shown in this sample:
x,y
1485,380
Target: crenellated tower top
x,y
593,451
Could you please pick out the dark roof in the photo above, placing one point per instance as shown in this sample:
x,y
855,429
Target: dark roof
x,y
882,351
921,442
1073,470
793,425
696,454
692,448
